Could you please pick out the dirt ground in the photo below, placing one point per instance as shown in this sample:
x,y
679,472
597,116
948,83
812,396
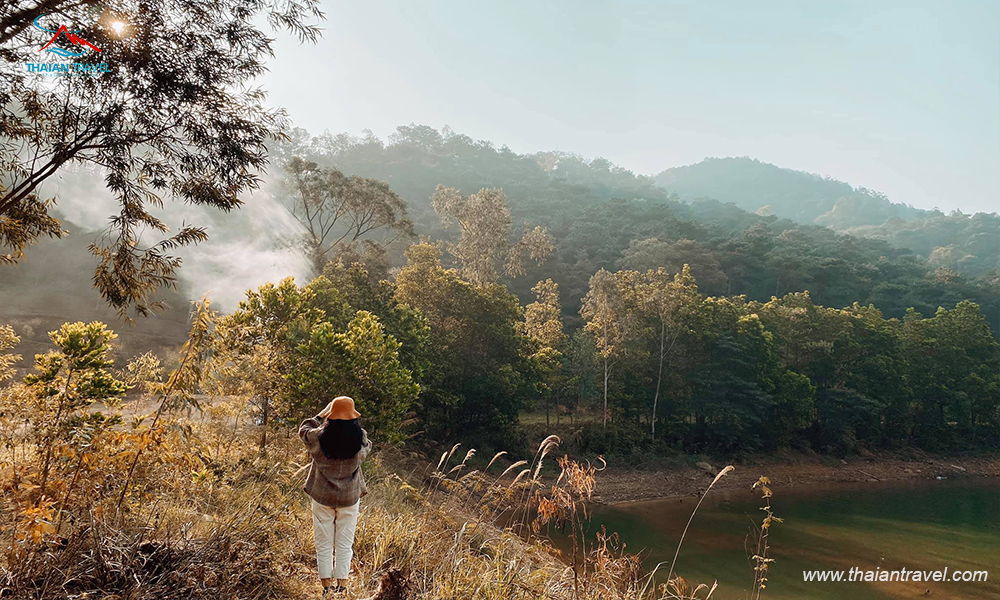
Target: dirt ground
x,y
624,485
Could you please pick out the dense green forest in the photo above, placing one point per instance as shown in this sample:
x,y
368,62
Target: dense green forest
x,y
719,374
602,216
692,326
456,285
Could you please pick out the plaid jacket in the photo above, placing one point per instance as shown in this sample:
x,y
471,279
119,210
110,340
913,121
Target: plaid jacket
x,y
333,482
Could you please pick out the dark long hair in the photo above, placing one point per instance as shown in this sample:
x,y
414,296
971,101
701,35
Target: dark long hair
x,y
340,439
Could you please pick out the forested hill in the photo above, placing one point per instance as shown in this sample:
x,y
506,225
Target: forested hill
x,y
603,216
767,189
965,243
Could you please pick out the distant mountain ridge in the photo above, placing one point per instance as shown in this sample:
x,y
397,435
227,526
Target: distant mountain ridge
x,y
767,189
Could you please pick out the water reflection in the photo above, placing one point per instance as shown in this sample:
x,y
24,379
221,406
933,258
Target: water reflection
x,y
917,525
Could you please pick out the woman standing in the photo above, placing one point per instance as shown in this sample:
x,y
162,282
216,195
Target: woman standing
x,y
337,445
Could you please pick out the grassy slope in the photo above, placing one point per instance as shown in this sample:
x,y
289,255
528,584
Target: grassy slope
x,y
208,516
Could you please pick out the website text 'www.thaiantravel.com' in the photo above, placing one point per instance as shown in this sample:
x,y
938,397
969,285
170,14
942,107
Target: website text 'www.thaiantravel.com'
x,y
903,574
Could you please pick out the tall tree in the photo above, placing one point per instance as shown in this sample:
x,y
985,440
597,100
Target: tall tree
x,y
542,318
607,319
672,303
485,221
733,378
481,374
159,124
338,210
543,324
953,363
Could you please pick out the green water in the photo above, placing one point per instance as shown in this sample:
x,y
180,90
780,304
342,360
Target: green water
x,y
925,525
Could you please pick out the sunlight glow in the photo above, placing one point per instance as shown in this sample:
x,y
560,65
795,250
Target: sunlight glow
x,y
118,27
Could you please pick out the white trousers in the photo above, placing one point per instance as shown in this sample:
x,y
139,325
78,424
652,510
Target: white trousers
x,y
333,533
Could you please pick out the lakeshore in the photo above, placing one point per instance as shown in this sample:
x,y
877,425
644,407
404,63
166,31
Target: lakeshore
x,y
621,485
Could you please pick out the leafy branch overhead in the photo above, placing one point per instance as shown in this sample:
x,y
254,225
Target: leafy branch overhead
x,y
161,125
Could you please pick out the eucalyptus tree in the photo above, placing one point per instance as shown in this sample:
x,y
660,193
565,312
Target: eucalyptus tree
x,y
542,318
672,303
485,248
543,324
337,211
609,320
164,111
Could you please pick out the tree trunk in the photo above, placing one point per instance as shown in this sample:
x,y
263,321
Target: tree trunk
x,y
50,439
605,394
659,377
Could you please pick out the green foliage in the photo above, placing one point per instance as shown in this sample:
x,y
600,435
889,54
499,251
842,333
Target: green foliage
x,y
361,362
543,325
480,374
259,337
293,349
610,321
952,369
746,375
69,379
377,296
793,407
669,307
77,373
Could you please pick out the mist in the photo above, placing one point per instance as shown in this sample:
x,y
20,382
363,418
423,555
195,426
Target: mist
x,y
247,248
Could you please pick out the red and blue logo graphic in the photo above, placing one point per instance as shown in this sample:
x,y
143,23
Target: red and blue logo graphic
x,y
81,44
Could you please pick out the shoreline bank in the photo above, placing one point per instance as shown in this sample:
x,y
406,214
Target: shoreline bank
x,y
619,486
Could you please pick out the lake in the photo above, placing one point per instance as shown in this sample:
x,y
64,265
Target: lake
x,y
923,525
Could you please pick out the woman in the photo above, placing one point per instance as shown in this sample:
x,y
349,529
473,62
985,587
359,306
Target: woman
x,y
337,445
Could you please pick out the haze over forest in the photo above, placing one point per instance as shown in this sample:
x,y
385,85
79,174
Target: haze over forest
x,y
897,97
600,214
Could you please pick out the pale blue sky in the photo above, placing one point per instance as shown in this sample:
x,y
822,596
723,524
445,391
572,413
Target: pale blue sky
x,y
901,97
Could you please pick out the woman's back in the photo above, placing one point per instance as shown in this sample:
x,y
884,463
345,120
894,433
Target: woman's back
x,y
335,477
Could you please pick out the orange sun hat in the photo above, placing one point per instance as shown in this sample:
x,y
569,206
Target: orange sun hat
x,y
342,409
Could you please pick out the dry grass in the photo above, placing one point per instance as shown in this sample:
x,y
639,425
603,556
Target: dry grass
x,y
209,516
